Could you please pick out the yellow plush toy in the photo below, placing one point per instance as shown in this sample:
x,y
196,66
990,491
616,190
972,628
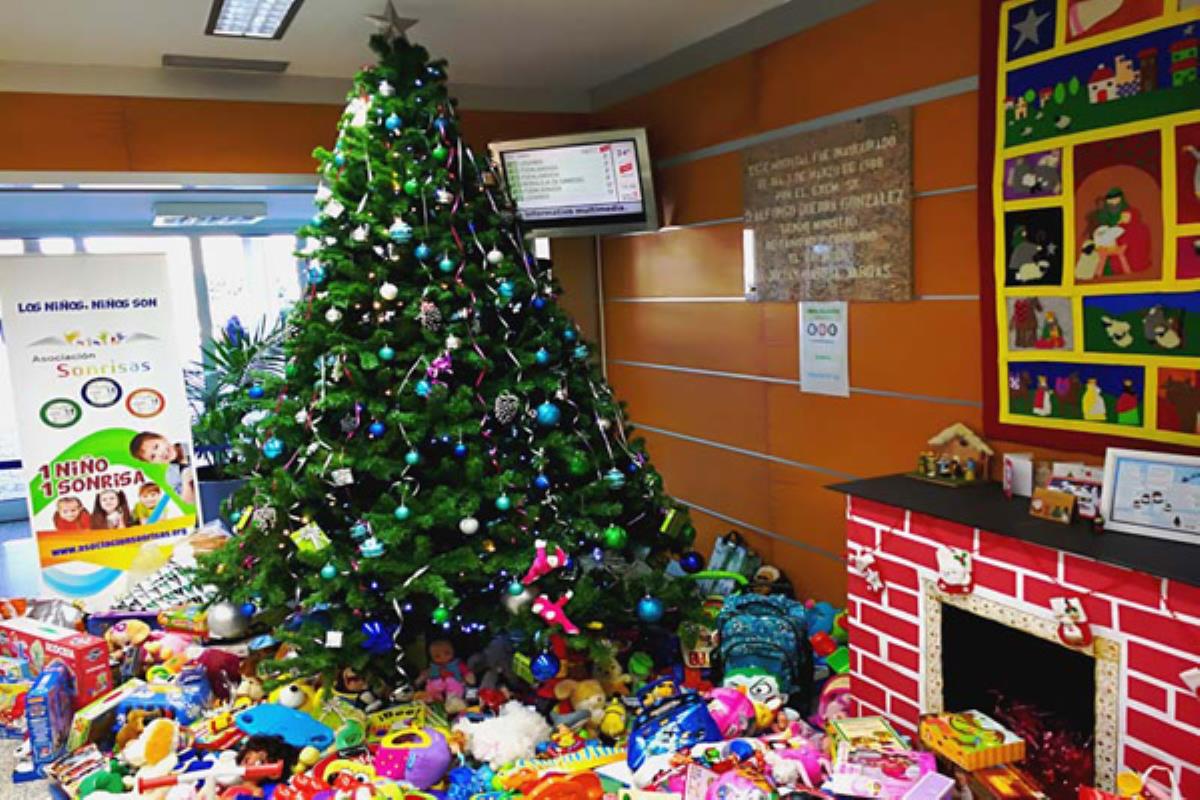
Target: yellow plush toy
x,y
583,702
299,696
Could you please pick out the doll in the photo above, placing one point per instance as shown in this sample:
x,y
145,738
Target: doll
x,y
447,677
354,688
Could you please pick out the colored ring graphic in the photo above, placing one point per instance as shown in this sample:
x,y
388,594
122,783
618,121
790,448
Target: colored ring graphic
x,y
60,412
101,392
145,402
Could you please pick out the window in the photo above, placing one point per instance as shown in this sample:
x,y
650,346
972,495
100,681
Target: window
x,y
250,278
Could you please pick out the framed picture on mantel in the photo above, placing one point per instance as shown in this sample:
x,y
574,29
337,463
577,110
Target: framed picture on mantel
x,y
1152,494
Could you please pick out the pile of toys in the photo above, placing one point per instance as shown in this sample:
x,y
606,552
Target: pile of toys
x,y
751,704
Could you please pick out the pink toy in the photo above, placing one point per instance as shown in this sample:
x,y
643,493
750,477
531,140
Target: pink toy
x,y
419,756
732,711
544,564
554,613
736,785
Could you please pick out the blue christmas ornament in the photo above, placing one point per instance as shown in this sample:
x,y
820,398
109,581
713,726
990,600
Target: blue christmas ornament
x,y
393,121
569,335
460,450
538,302
412,458
581,351
548,414
378,635
255,392
359,531
400,231
386,353
316,274
272,448
402,512
423,388
650,609
541,482
691,562
422,251
614,478
542,356
376,429
506,289
446,264
503,503
248,609
339,158
544,666
329,572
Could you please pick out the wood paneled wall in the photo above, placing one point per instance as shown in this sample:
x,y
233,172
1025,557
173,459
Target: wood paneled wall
x,y
712,380
64,133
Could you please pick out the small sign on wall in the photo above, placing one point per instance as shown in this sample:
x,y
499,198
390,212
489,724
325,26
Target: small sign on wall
x,y
824,351
831,213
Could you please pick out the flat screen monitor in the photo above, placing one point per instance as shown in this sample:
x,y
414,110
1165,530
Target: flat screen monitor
x,y
581,184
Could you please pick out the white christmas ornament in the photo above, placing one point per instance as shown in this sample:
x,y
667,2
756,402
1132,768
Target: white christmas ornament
x,y
453,343
333,315
469,526
360,233
358,109
386,89
494,256
301,417
389,291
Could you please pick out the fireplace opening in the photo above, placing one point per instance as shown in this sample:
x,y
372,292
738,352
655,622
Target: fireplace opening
x,y
1042,691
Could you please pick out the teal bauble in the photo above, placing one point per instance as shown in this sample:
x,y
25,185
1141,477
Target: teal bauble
x,y
614,478
515,588
272,448
402,513
542,356
548,414
650,609
581,352
386,353
446,265
329,572
569,335
412,458
503,503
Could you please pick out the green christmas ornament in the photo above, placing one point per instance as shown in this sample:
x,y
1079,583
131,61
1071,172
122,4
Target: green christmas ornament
x,y
615,537
440,153
577,465
411,187
441,615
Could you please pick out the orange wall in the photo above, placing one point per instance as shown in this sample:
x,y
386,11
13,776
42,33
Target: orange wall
x,y
928,348
57,132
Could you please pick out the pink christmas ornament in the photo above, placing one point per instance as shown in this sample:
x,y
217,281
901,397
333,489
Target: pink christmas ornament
x,y
553,613
544,563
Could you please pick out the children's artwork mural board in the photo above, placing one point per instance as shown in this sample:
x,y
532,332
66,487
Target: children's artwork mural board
x,y
102,416
1092,221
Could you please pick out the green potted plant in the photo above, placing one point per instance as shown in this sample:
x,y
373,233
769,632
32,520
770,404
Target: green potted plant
x,y
232,367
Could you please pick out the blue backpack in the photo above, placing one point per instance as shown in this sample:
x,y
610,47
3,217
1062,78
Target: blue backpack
x,y
770,633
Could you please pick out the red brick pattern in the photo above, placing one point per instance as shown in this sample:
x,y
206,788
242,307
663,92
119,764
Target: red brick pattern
x,y
1158,621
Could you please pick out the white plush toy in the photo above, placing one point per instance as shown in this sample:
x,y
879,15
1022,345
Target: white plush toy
x,y
514,734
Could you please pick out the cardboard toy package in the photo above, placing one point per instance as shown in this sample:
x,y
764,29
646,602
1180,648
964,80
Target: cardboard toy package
x,y
866,733
94,722
40,643
1004,782
971,740
48,714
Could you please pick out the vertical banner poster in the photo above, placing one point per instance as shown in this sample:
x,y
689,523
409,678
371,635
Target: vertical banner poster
x,y
824,350
102,416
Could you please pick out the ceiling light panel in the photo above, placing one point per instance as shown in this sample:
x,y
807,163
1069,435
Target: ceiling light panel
x,y
251,19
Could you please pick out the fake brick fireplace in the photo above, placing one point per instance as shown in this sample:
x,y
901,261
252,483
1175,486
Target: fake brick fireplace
x,y
1146,627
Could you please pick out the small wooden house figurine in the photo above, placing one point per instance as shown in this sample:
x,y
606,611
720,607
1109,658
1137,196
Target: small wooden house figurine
x,y
957,456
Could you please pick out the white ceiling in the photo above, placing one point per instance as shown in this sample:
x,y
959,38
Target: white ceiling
x,y
548,44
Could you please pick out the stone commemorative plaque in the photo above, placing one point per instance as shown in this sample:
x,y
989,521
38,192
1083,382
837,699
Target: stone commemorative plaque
x,y
831,212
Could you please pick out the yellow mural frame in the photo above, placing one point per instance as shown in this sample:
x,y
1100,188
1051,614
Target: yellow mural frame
x,y
1166,124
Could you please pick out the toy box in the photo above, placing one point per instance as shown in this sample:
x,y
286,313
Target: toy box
x,y
12,709
895,772
48,709
971,740
14,670
1005,782
185,698
39,643
866,733
94,722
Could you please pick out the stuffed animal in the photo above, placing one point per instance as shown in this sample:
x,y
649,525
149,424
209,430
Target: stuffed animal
x,y
135,723
494,665
580,703
513,734
614,679
297,695
126,633
447,677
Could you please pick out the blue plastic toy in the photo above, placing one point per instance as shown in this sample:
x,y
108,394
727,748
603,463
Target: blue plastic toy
x,y
294,727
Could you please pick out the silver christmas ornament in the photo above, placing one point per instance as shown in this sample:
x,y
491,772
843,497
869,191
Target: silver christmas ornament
x,y
469,526
333,316
506,407
225,620
494,256
389,291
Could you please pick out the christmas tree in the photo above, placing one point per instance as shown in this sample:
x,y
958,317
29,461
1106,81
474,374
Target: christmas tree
x,y
440,454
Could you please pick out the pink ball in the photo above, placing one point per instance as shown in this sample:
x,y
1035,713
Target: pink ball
x,y
419,756
732,711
